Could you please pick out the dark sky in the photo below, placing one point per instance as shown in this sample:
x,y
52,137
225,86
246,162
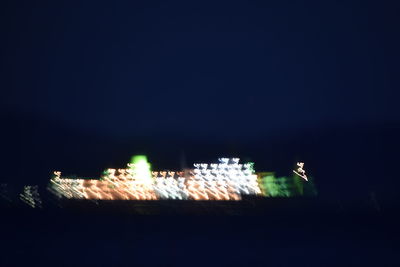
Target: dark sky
x,y
239,68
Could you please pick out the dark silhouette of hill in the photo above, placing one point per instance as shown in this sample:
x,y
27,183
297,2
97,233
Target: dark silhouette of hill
x,y
348,162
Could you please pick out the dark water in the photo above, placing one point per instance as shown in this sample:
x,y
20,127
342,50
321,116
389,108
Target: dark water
x,y
288,236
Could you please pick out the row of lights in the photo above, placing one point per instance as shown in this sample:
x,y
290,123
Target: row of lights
x,y
227,180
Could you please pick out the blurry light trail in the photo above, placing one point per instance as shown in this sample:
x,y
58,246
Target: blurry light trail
x,y
30,196
226,180
300,172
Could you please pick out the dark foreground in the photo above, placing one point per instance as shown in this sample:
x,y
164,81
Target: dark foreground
x,y
291,235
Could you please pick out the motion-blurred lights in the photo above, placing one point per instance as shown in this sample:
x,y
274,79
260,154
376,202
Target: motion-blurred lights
x,y
31,197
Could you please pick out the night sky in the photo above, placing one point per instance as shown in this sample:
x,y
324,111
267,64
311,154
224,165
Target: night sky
x,y
87,84
215,70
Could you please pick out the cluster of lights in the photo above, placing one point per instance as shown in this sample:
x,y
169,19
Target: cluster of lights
x,y
30,196
170,185
227,180
113,185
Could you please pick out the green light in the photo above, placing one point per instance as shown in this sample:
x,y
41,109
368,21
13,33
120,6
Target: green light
x,y
279,187
141,167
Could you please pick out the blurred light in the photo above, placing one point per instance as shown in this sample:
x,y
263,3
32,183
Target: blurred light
x,y
30,196
226,180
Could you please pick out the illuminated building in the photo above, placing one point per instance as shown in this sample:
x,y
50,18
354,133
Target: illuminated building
x,y
226,180
170,185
